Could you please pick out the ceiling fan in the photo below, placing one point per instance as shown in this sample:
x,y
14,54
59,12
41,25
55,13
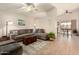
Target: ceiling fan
x,y
30,7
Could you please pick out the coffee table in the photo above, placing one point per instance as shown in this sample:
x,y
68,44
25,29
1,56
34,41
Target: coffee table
x,y
29,39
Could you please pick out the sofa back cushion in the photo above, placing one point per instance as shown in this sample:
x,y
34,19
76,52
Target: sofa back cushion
x,y
40,31
21,31
14,32
29,30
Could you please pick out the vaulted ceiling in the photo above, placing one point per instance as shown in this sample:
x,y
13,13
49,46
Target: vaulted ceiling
x,y
61,7
10,6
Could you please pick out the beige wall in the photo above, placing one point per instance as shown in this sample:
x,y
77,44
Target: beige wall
x,y
11,17
45,20
52,14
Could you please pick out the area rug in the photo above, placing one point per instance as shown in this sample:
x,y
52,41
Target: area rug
x,y
32,49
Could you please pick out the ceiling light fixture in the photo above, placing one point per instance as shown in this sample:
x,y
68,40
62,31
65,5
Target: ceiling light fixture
x,y
29,7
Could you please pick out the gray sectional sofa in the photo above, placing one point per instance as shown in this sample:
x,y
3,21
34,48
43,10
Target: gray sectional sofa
x,y
17,35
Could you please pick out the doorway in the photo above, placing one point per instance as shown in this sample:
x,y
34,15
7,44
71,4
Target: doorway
x,y
66,27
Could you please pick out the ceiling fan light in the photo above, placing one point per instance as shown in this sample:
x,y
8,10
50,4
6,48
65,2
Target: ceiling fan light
x,y
29,9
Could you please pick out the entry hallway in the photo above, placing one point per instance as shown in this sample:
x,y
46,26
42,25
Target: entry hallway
x,y
63,45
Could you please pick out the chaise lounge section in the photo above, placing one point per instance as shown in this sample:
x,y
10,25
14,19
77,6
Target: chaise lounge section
x,y
41,34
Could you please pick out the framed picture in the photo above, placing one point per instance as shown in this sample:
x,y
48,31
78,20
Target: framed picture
x,y
21,22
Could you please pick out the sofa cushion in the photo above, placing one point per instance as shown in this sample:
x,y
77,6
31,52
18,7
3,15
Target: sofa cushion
x,y
40,31
41,34
21,32
21,36
24,31
14,32
29,30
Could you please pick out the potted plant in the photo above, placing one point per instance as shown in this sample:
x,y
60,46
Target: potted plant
x,y
51,35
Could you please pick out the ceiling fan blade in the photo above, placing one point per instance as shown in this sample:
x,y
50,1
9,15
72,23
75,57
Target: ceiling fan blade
x,y
30,4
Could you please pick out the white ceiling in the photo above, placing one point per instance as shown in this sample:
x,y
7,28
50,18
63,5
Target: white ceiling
x,y
10,6
46,6
15,6
61,7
